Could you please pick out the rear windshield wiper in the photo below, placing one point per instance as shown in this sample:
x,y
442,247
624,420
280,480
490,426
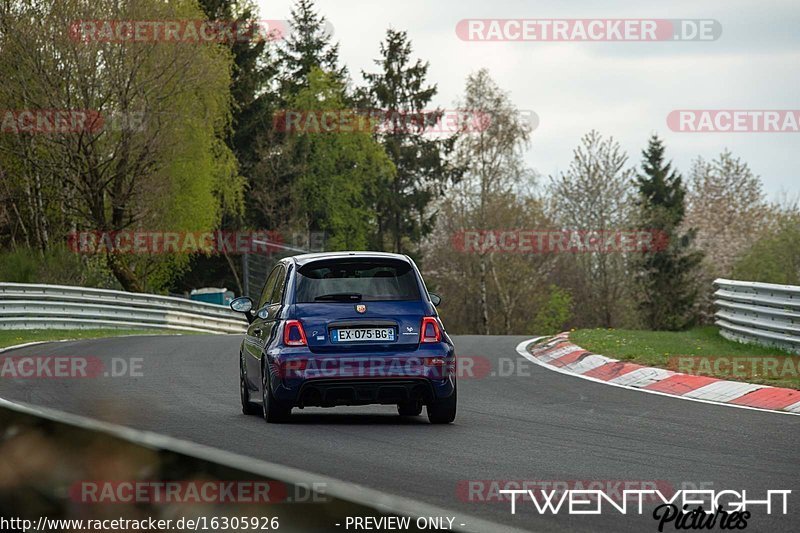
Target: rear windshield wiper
x,y
340,297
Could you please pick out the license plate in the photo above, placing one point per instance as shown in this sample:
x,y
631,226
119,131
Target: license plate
x,y
363,335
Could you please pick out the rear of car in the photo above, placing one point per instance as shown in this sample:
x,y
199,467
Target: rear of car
x,y
359,329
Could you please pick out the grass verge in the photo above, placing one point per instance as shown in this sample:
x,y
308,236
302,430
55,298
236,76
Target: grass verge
x,y
717,356
22,336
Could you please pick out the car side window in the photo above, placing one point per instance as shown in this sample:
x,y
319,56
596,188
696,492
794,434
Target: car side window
x,y
269,286
277,293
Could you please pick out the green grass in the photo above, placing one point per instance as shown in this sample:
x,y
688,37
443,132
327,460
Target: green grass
x,y
21,336
654,348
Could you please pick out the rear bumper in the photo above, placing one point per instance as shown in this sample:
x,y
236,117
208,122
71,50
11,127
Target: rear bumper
x,y
305,379
364,391
332,392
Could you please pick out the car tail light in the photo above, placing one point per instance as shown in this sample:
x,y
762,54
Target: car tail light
x,y
429,331
293,334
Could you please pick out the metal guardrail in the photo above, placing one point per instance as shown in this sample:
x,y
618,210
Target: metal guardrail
x,y
304,501
34,306
762,313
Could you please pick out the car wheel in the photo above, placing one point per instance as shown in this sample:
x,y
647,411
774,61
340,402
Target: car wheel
x,y
410,408
443,411
274,411
248,407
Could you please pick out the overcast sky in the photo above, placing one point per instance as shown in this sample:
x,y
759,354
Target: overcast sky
x,y
623,89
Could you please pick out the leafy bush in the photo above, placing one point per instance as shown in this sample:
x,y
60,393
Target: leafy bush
x,y
19,266
554,313
57,266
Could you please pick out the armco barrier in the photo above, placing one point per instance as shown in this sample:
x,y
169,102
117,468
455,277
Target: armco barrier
x,y
762,313
54,455
33,306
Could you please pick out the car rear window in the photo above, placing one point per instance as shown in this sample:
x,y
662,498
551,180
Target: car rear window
x,y
356,280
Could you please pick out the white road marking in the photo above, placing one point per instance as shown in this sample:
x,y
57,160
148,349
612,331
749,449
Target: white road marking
x,y
642,377
590,362
723,391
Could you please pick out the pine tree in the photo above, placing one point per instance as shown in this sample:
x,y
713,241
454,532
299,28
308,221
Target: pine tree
x,y
254,70
666,273
307,45
401,93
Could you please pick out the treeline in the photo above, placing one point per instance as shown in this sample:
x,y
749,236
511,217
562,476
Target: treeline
x,y
714,222
206,152
196,139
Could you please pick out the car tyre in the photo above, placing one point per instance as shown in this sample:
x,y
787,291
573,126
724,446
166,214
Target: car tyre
x,y
248,407
410,408
443,411
273,410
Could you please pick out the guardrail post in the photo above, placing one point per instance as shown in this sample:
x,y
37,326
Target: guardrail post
x,y
245,275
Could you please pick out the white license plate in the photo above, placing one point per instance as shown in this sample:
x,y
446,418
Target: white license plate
x,y
363,335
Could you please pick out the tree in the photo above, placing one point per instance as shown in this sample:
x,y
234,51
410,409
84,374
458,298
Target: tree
x,y
307,46
172,171
666,274
594,194
491,156
400,92
775,256
726,205
254,99
337,172
278,163
516,288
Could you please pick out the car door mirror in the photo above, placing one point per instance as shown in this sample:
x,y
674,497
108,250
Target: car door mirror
x,y
435,298
242,304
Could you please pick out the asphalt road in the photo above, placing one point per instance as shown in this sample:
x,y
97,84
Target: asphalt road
x,y
525,424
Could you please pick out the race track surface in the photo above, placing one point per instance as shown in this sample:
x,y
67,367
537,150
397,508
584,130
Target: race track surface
x,y
530,424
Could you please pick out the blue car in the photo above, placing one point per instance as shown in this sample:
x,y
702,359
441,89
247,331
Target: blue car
x,y
347,328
